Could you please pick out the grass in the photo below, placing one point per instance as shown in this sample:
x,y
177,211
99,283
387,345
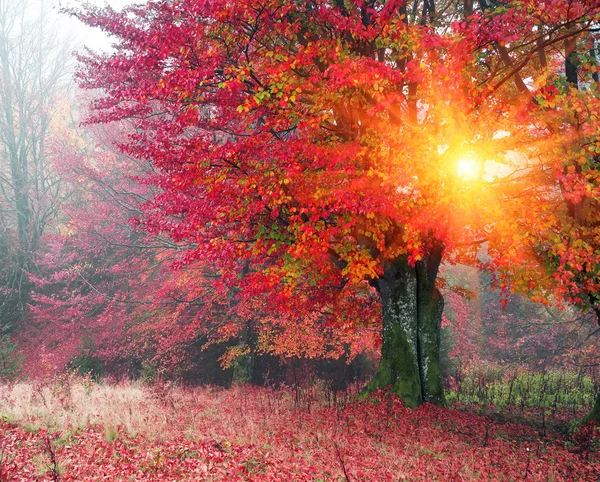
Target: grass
x,y
156,412
131,431
46,406
552,389
548,400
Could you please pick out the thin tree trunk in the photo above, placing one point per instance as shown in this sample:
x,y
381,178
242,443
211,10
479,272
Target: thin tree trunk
x,y
243,369
243,366
595,413
468,8
570,61
542,53
592,53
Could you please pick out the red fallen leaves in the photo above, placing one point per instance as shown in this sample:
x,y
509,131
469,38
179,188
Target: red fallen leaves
x,y
368,440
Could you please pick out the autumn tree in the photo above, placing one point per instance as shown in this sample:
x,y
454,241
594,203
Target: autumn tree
x,y
109,292
307,149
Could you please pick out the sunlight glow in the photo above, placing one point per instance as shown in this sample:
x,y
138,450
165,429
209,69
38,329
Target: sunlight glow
x,y
469,168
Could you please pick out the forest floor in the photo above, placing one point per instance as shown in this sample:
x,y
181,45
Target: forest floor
x,y
75,429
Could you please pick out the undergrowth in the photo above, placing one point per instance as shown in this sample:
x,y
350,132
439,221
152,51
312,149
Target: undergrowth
x,y
77,429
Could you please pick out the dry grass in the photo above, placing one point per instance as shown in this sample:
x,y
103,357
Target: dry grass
x,y
74,404
157,412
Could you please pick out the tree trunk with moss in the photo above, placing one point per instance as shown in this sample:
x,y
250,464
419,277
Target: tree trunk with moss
x,y
595,413
412,315
243,369
243,366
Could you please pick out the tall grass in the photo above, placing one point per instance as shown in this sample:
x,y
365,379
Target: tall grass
x,y
70,403
553,389
161,410
551,396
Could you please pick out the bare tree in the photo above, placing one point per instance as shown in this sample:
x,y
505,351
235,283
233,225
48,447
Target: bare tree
x,y
34,67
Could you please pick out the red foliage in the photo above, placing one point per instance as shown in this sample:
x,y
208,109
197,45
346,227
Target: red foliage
x,y
308,146
518,332
108,289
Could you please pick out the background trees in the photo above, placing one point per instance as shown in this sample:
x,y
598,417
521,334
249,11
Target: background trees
x,y
34,68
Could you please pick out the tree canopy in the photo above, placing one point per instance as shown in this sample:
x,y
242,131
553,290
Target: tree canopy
x,y
308,150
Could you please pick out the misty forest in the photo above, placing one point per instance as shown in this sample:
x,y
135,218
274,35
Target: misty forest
x,y
302,240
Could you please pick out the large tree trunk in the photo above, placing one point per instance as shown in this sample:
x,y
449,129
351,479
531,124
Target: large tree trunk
x,y
412,314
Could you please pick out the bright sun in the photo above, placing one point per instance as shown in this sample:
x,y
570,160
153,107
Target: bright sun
x,y
468,168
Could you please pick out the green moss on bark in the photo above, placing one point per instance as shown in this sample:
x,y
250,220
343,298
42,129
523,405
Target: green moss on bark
x,y
595,413
410,352
429,314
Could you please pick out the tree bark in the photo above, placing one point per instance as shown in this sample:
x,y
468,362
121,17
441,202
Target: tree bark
x,y
430,305
412,313
595,413
243,368
570,61
244,365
